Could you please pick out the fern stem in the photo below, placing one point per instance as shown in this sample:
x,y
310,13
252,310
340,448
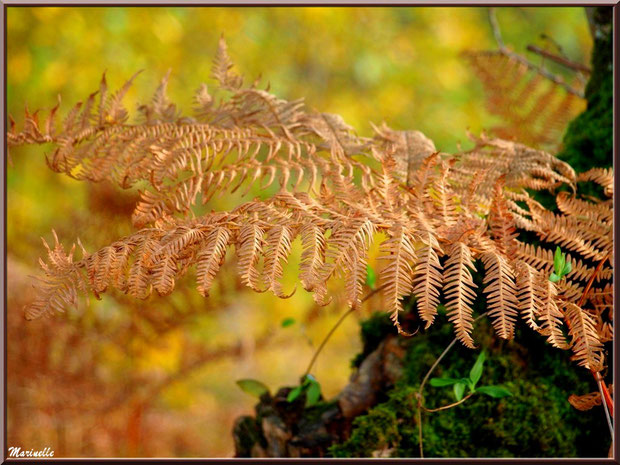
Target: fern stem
x,y
559,59
335,327
599,381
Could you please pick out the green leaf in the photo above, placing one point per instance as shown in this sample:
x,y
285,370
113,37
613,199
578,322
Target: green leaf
x,y
459,390
287,322
567,269
476,371
554,278
294,394
371,277
313,394
559,260
441,382
252,387
494,391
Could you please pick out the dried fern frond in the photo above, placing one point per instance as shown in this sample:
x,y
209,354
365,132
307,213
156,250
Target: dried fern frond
x,y
585,343
586,402
501,293
602,176
400,256
535,110
336,191
459,288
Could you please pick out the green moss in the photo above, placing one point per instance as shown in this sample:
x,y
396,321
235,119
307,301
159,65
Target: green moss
x,y
537,421
388,425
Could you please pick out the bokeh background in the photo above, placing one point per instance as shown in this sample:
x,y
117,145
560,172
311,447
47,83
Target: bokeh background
x,y
119,377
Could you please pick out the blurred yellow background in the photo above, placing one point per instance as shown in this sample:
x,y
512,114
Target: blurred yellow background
x,y
157,377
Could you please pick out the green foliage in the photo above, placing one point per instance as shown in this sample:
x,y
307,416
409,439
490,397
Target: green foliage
x,y
287,322
459,390
253,387
476,371
474,376
494,391
311,387
560,267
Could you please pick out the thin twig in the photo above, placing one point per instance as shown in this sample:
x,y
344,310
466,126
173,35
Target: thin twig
x,y
335,327
445,407
559,59
420,433
515,56
497,33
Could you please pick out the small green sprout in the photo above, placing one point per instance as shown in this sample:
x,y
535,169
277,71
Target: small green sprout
x,y
474,376
560,267
311,387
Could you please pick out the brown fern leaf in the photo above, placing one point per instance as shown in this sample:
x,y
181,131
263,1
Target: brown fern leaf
x,y
355,269
222,65
160,109
501,293
249,249
501,222
346,255
427,283
459,290
179,239
210,258
444,197
164,273
586,402
550,315
61,284
139,280
114,112
278,246
312,258
408,148
101,274
346,238
585,341
602,176
529,300
400,256
599,212
336,190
